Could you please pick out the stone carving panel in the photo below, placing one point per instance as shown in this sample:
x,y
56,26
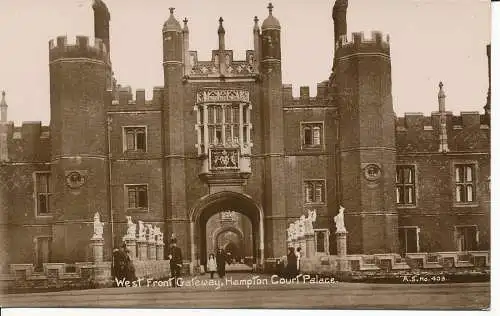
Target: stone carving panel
x,y
224,158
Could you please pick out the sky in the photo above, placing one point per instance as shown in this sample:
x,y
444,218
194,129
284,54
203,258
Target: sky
x,y
431,41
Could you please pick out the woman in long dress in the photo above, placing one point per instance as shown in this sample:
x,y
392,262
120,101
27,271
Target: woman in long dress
x,y
291,266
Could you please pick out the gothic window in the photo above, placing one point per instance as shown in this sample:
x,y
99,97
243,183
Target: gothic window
x,y
405,185
42,193
134,138
464,183
408,240
312,135
137,196
466,238
314,191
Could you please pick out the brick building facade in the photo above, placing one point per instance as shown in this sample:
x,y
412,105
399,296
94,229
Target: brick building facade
x,y
226,134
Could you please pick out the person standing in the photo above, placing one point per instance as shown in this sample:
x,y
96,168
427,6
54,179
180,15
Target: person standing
x,y
298,259
119,262
175,257
211,265
291,266
221,263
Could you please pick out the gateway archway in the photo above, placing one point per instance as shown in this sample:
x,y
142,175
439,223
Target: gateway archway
x,y
221,201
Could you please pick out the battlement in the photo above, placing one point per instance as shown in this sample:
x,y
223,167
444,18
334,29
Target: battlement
x,y
28,142
125,98
417,121
79,47
359,43
305,98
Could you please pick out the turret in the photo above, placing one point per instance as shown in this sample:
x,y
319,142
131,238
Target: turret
x,y
256,40
362,80
101,22
272,114
78,79
172,39
185,36
443,137
3,109
339,15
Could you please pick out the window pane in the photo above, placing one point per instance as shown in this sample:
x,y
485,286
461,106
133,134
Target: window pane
x,y
130,140
131,198
470,195
245,119
307,136
236,133
143,197
410,178
227,115
218,114
399,195
43,206
141,140
218,134
211,115
317,136
308,192
459,174
228,134
202,114
319,192
409,195
245,140
236,115
211,134
469,174
42,185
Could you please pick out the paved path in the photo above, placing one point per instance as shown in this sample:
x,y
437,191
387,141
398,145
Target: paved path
x,y
234,293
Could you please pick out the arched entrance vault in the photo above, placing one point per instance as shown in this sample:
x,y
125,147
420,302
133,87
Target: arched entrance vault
x,y
213,204
222,230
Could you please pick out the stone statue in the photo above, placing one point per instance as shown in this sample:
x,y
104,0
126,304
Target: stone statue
x,y
142,231
311,218
159,241
98,227
151,235
131,227
339,221
289,232
302,226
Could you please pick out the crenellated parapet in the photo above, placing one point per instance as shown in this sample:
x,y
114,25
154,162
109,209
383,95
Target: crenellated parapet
x,y
416,132
78,47
378,43
29,142
125,99
231,67
304,99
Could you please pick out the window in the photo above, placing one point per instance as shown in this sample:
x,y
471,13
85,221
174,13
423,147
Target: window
x,y
408,240
137,196
135,139
464,183
405,185
321,240
312,135
466,237
314,191
223,124
42,193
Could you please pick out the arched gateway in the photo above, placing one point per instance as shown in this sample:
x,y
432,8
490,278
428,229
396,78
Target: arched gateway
x,y
212,204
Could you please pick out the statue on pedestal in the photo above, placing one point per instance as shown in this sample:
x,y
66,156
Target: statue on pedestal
x,y
130,228
142,231
159,241
311,218
151,235
98,227
339,221
289,233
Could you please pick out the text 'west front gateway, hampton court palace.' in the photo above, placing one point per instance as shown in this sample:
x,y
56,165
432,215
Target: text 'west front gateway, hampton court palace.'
x,y
224,156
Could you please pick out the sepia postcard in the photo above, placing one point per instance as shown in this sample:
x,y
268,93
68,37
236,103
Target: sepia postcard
x,y
327,154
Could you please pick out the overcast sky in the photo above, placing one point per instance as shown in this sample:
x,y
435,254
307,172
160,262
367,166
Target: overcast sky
x,y
431,41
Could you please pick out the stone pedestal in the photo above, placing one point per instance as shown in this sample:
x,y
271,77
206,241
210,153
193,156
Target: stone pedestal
x,y
97,249
131,246
159,251
310,249
152,250
142,245
342,250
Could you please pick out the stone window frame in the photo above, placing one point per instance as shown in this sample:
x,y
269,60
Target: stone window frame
x,y
35,194
304,194
312,124
455,235
326,241
475,182
124,138
126,200
415,186
417,235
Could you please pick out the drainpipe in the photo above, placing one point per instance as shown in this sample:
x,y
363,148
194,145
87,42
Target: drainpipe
x,y
110,198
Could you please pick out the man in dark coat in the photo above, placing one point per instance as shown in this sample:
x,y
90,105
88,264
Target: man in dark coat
x,y
221,260
175,257
120,263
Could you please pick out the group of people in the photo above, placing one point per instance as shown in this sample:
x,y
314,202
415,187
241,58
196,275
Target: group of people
x,y
217,263
123,268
